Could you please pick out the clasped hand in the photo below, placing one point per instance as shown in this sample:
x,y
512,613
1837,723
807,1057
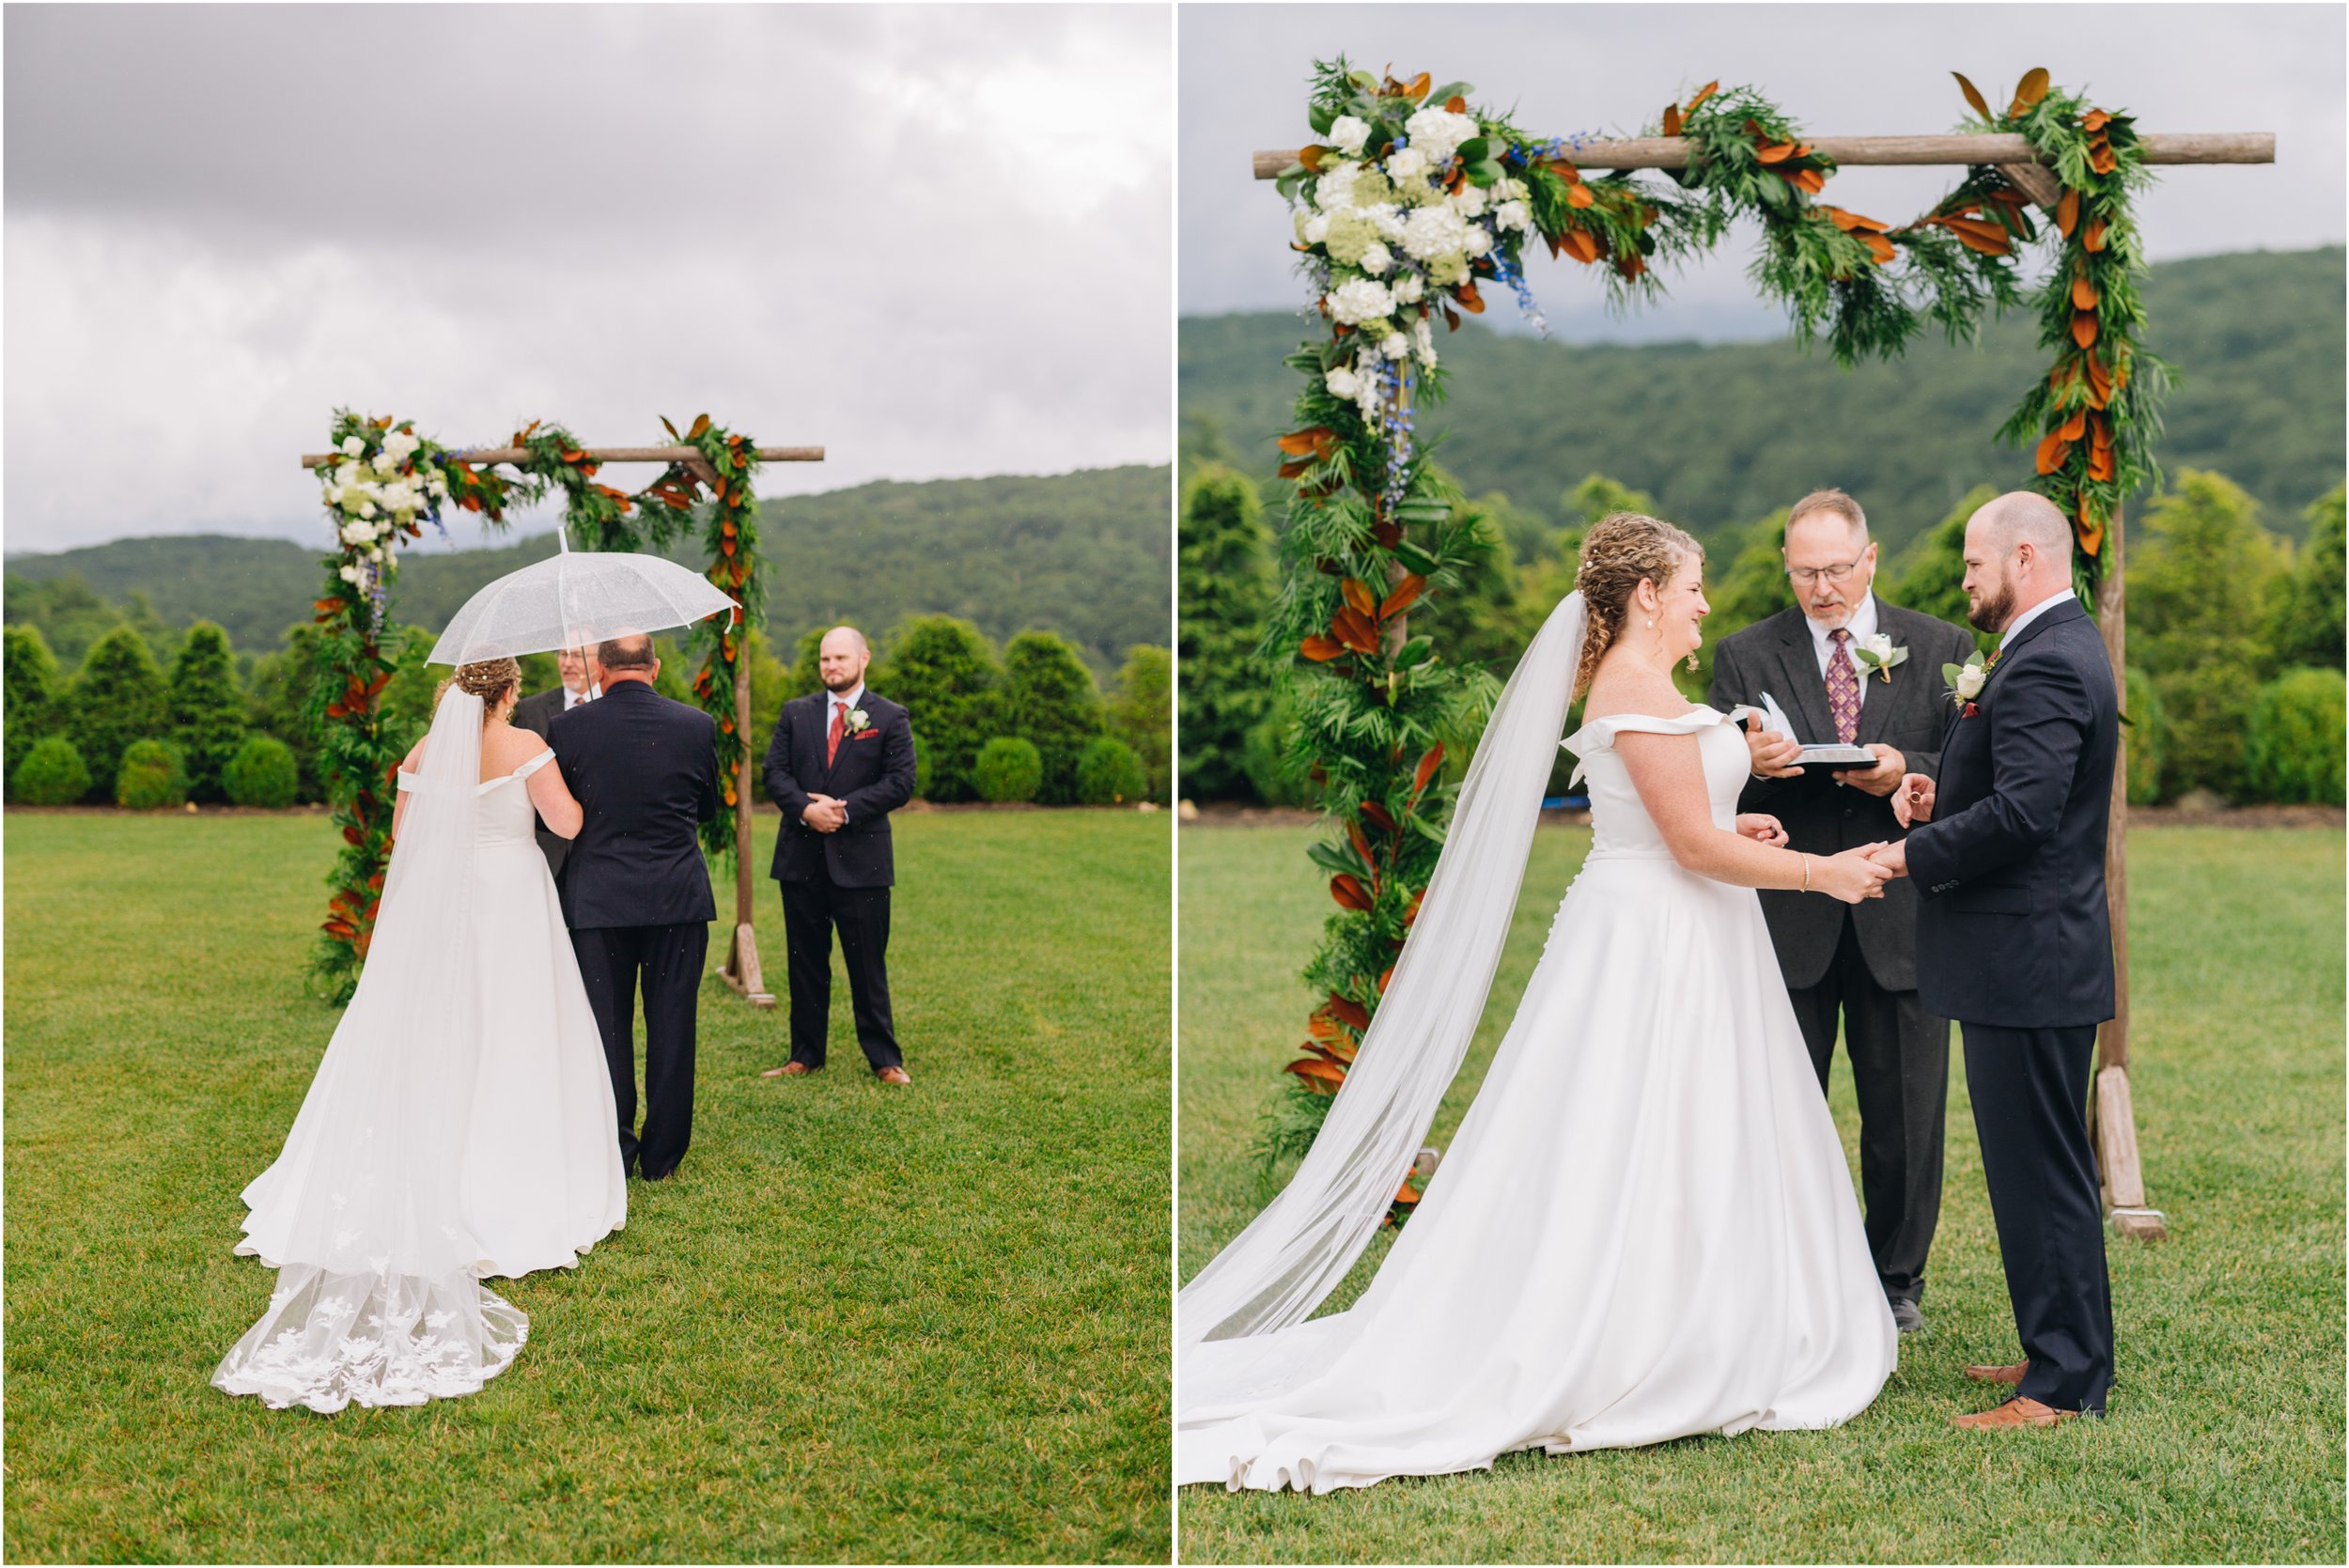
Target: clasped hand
x,y
825,814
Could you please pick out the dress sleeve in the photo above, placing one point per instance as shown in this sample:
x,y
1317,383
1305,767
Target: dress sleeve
x,y
536,763
1599,733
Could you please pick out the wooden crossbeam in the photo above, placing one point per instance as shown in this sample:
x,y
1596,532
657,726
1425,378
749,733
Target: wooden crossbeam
x,y
600,455
1671,152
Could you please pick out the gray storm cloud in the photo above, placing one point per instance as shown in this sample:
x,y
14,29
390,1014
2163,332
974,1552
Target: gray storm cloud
x,y
935,240
1839,69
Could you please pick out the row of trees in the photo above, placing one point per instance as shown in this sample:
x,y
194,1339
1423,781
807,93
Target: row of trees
x,y
210,736
2236,636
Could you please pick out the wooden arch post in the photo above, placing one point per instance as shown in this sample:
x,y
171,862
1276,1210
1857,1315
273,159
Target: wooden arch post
x,y
2113,1121
740,968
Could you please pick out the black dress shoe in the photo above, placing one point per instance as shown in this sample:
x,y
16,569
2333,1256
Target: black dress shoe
x,y
1906,1317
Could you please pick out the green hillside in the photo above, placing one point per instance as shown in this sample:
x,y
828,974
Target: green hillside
x,y
1083,554
1723,434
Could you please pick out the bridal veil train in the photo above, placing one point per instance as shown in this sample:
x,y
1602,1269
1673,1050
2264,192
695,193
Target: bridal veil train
x,y
1645,1228
461,1125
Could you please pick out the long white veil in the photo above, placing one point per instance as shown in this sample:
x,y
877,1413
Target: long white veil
x,y
1294,1253
378,1299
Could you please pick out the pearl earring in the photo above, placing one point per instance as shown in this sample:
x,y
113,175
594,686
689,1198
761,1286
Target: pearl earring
x,y
1651,621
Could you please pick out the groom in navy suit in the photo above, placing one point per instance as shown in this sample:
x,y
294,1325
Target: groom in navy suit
x,y
2014,940
840,762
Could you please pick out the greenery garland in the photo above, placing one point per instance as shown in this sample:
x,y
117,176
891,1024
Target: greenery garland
x,y
387,482
1407,202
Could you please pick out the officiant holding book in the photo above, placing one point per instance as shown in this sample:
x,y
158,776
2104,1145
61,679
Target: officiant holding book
x,y
1845,667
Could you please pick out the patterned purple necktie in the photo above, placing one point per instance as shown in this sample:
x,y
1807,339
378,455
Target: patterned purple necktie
x,y
1843,686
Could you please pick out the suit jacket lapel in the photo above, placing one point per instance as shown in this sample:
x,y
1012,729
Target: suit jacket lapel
x,y
1806,704
1880,696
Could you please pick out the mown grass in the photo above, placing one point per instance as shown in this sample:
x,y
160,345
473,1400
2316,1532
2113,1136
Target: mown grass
x,y
860,1323
2225,1442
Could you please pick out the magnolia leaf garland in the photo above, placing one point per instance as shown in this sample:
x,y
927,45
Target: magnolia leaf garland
x,y
1408,204
385,484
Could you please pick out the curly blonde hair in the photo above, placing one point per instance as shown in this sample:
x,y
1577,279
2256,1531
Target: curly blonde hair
x,y
490,680
1622,551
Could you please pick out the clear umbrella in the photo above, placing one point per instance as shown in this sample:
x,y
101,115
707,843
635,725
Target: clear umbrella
x,y
576,598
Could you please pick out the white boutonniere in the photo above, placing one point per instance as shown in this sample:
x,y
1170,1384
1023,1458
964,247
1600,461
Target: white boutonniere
x,y
854,721
1966,680
1877,652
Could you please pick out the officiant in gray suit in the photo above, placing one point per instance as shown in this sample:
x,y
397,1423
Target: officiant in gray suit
x,y
1844,665
535,713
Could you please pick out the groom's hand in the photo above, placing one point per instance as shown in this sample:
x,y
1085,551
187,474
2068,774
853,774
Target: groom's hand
x,y
1893,857
1913,803
1881,780
824,813
1772,755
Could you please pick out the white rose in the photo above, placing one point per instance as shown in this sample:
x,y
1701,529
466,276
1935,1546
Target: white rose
x,y
1878,645
333,495
367,510
1409,288
1480,239
1438,132
1347,134
1433,231
1377,259
348,573
1406,163
386,462
440,485
1470,201
1397,347
376,554
1512,214
353,446
1316,230
1361,300
1969,681
1343,382
1423,339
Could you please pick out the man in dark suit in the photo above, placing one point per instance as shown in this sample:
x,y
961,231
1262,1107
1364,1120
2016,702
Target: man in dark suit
x,y
535,713
635,890
840,762
1855,962
2014,940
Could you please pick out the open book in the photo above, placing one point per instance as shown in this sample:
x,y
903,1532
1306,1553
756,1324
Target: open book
x,y
1832,754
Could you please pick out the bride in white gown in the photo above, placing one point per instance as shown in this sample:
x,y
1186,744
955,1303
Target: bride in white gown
x,y
1644,1229
461,1123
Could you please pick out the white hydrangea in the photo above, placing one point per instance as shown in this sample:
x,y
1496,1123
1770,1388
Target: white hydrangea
x,y
1406,163
1386,218
1347,134
1423,340
1333,192
1438,132
404,442
1316,230
1513,215
1433,231
1377,259
1397,345
1360,299
347,474
1409,288
438,485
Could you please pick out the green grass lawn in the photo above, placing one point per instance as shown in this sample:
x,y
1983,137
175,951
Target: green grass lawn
x,y
2226,1436
859,1323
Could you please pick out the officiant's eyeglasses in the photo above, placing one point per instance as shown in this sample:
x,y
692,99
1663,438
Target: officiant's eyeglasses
x,y
1805,576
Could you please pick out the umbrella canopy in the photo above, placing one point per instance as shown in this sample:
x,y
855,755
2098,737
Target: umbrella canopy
x,y
573,600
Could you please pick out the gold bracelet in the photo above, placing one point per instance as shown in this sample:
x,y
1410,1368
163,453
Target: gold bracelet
x,y
1806,874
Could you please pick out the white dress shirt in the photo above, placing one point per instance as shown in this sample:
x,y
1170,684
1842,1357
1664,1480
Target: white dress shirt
x,y
2019,622
838,705
572,699
1862,624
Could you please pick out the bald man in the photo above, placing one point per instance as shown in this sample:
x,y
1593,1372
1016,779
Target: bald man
x,y
840,762
2013,941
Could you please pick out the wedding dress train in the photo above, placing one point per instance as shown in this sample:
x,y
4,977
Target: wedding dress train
x,y
1644,1229
461,1126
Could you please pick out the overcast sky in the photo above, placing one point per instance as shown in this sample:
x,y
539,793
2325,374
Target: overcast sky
x,y
935,240
1838,70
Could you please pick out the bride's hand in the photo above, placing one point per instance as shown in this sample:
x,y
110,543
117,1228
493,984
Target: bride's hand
x,y
1851,875
1762,829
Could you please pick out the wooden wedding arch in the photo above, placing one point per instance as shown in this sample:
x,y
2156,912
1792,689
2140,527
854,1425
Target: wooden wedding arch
x,y
740,968
2111,1115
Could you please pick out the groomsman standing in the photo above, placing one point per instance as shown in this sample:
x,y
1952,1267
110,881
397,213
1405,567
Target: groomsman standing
x,y
1856,963
840,762
535,713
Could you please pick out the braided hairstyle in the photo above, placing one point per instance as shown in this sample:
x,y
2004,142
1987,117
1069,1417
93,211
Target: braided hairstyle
x,y
490,680
1622,551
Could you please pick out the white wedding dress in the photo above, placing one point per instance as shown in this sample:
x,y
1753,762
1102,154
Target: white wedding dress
x,y
461,1126
1644,1229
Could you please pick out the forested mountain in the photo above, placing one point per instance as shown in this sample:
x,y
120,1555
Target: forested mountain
x,y
1084,554
1723,434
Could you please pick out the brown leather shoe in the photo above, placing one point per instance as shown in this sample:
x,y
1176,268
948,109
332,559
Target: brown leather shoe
x,y
892,1074
2014,1412
2011,1376
789,1070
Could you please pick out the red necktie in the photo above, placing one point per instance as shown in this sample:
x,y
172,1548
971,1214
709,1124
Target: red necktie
x,y
831,742
1842,688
